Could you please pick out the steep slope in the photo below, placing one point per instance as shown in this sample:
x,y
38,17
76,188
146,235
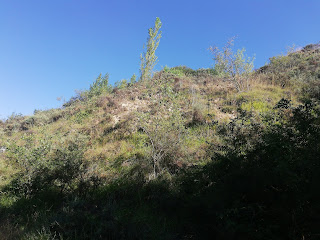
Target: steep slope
x,y
184,156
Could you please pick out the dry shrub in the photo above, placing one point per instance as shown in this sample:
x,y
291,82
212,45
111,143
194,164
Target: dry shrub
x,y
197,117
177,84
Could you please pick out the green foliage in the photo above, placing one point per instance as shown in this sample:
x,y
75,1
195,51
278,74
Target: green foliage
x,y
182,71
261,107
198,163
41,118
101,84
149,59
13,123
81,96
234,67
133,79
268,190
163,125
46,165
17,122
260,101
121,84
175,71
82,115
32,162
299,71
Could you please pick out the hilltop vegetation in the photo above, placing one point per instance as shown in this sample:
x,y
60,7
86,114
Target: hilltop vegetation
x,y
182,155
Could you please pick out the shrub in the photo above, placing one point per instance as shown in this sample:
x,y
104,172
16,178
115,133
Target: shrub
x,y
13,123
41,118
189,72
99,85
163,125
80,97
82,115
47,165
298,70
234,67
133,79
121,84
32,162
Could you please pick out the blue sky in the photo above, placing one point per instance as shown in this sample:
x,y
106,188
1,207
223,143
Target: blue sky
x,y
49,49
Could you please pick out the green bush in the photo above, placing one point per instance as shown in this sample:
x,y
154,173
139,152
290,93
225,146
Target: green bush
x,y
234,67
121,84
299,71
13,123
47,165
82,115
182,71
99,85
41,118
81,96
163,126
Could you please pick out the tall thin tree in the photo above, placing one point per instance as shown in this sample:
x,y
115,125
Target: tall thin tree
x,y
148,58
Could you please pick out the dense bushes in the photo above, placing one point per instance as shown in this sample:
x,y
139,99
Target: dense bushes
x,y
263,185
17,122
47,166
298,70
268,192
241,166
189,72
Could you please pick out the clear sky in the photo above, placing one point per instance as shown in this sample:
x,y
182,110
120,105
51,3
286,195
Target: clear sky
x,y
49,48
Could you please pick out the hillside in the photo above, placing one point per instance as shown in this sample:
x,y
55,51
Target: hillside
x,y
182,156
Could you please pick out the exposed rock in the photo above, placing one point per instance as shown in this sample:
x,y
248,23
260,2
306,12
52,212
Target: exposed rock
x,y
2,149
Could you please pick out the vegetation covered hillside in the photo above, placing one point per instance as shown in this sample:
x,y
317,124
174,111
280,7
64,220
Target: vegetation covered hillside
x,y
182,154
